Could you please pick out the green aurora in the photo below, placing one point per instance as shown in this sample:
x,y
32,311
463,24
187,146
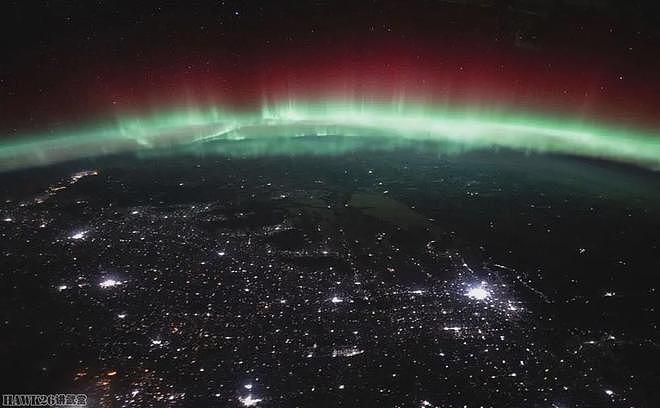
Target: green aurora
x,y
286,129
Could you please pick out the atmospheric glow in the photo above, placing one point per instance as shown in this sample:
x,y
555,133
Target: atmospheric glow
x,y
279,129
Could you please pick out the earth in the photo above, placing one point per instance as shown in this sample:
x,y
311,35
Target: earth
x,y
399,278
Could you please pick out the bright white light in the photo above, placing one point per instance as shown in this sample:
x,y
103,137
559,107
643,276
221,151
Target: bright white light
x,y
609,392
108,283
249,401
248,386
78,235
156,342
121,315
336,299
478,293
62,287
8,219
347,352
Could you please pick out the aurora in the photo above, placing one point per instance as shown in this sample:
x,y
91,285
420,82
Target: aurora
x,y
280,128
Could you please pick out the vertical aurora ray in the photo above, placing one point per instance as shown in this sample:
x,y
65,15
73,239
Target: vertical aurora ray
x,y
285,123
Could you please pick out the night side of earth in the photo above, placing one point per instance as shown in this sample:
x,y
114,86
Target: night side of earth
x,y
376,277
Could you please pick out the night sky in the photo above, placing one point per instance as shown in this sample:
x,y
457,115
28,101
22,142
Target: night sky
x,y
70,62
